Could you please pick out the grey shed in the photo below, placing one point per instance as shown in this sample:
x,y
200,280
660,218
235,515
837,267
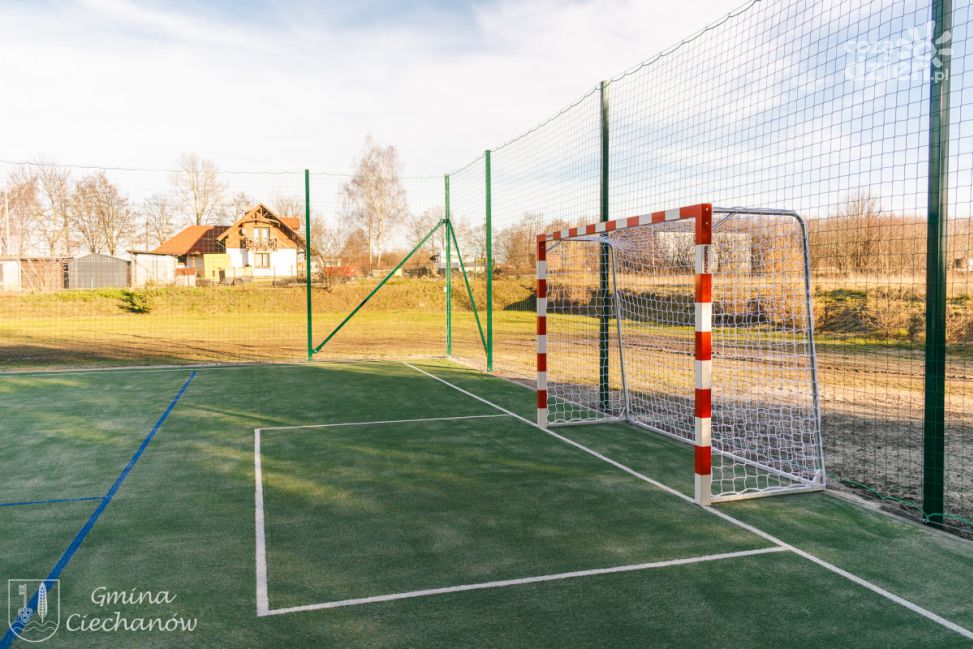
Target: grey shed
x,y
97,271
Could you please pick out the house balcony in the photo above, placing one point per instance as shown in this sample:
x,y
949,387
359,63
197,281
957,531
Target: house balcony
x,y
259,244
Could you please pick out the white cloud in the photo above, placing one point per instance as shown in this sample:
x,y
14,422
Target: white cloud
x,y
112,82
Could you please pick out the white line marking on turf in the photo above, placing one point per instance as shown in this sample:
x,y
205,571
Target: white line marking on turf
x,y
263,597
386,421
915,608
263,602
503,583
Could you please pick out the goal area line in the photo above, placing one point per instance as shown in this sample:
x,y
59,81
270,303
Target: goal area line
x,y
376,423
504,583
878,590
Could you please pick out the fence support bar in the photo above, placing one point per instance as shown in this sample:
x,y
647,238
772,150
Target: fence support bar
x,y
380,285
469,289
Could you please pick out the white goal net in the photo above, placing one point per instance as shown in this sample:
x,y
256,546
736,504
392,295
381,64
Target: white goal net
x,y
692,323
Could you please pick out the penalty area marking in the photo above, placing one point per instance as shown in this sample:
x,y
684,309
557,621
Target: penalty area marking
x,y
915,608
386,421
503,583
263,598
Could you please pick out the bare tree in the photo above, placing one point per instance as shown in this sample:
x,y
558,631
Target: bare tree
x,y
23,210
102,215
471,240
199,188
418,225
354,249
239,205
327,242
159,213
374,198
517,244
55,226
285,205
861,221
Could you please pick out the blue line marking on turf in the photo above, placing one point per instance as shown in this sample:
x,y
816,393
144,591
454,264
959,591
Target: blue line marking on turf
x,y
53,500
62,563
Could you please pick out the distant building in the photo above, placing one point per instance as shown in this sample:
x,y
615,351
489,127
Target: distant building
x,y
259,244
152,269
96,271
191,244
32,273
473,266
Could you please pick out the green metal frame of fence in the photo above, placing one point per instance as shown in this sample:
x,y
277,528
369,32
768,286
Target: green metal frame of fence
x,y
934,426
934,458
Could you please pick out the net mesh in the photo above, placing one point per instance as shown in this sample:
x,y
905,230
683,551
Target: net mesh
x,y
629,351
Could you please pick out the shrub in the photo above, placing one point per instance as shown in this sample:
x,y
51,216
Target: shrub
x,y
135,301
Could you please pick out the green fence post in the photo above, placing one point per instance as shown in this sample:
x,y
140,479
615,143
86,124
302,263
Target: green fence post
x,y
603,328
934,416
307,260
449,277
489,263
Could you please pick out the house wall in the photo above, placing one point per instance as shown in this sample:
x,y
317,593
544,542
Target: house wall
x,y
159,270
283,263
10,275
238,261
214,264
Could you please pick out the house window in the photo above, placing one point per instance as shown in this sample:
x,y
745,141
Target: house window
x,y
261,234
261,260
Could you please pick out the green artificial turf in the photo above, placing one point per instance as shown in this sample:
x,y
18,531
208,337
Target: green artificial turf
x,y
367,510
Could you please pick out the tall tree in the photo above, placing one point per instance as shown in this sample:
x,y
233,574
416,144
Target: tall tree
x,y
102,216
199,188
55,226
374,198
517,243
159,213
23,210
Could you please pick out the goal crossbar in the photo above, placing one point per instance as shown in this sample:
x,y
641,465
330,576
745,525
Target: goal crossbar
x,y
767,435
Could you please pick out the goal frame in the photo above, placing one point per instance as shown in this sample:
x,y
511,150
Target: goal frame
x,y
702,215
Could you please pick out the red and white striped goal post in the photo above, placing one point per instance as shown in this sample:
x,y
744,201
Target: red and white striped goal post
x,y
703,215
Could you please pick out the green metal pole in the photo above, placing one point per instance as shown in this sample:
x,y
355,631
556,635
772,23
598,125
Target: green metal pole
x,y
469,288
934,429
449,278
307,260
489,264
603,328
380,285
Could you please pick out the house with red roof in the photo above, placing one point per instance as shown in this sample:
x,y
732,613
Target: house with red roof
x,y
258,245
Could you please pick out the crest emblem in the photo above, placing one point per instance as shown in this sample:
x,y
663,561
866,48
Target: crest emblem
x,y
34,608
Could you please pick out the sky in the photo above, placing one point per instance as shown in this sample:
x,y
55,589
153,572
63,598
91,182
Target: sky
x,y
266,86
